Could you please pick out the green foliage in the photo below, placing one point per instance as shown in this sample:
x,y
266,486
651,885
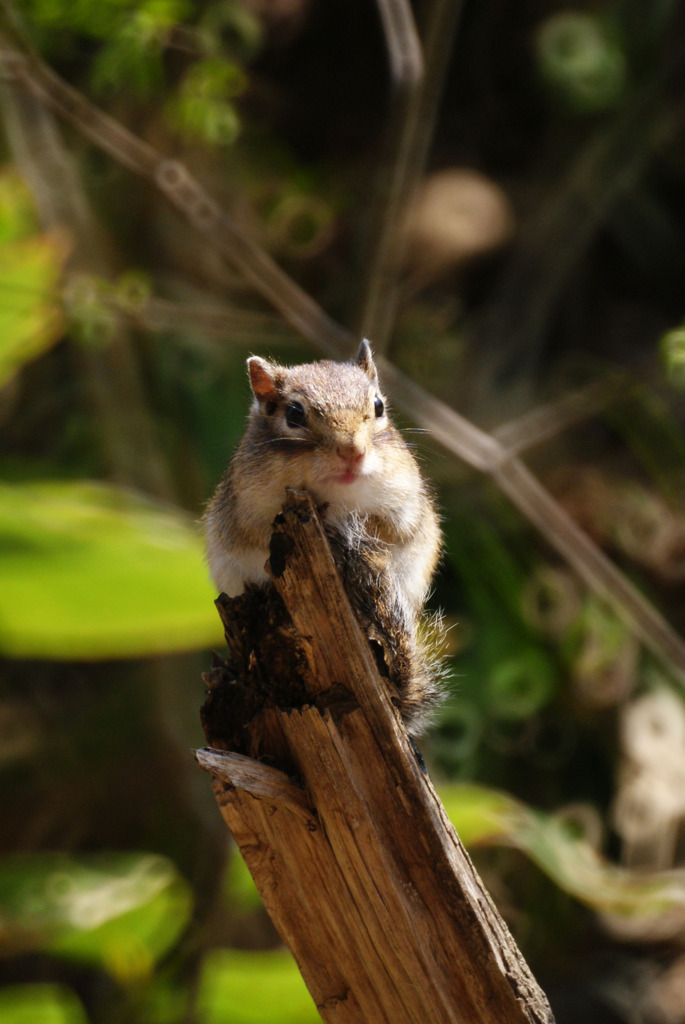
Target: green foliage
x,y
594,640
40,1004
104,20
133,53
580,57
73,541
513,676
202,109
253,988
17,213
133,42
521,685
673,354
122,912
30,270
239,888
30,319
122,576
131,36
485,816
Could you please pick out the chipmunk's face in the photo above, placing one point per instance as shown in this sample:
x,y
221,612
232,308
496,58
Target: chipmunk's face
x,y
327,421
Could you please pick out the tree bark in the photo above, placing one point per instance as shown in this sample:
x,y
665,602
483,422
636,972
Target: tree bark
x,y
345,837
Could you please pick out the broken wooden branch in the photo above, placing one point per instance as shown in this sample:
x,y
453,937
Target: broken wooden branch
x,y
345,837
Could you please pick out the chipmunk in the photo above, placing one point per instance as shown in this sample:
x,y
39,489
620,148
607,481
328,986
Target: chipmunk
x,y
324,427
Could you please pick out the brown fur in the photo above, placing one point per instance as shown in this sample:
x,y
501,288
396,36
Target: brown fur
x,y
324,427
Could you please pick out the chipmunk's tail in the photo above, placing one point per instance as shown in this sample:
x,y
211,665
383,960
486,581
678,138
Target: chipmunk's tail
x,y
411,652
424,686
409,647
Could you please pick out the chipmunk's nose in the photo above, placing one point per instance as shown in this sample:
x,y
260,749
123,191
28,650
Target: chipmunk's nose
x,y
350,454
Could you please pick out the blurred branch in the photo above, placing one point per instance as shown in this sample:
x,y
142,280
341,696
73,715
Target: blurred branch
x,y
419,85
545,421
213,319
474,446
110,370
403,43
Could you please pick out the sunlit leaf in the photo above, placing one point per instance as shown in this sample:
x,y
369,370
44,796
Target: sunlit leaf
x,y
40,1004
30,314
30,267
89,571
481,815
121,911
18,219
484,816
253,988
580,56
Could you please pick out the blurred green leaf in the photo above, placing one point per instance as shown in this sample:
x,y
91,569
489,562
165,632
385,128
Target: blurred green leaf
x,y
125,38
30,268
30,313
485,816
516,675
40,1004
654,434
17,213
481,815
100,20
253,988
203,109
239,889
521,684
91,571
121,911
673,354
132,55
580,56
231,25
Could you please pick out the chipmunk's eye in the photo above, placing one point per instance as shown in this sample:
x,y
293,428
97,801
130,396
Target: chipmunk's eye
x,y
295,416
379,408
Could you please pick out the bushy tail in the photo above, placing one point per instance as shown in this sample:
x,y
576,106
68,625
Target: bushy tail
x,y
425,685
409,648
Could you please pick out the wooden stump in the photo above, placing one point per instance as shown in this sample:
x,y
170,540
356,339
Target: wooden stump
x,y
345,837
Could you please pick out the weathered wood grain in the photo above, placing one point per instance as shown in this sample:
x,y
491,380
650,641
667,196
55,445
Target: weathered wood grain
x,y
348,843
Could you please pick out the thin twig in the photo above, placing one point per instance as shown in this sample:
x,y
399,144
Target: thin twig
x,y
546,421
403,44
215,319
410,133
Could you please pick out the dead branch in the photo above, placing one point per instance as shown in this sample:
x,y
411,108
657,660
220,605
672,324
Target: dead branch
x,y
347,841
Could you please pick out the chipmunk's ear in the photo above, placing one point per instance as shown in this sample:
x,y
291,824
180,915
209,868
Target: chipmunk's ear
x,y
262,379
365,361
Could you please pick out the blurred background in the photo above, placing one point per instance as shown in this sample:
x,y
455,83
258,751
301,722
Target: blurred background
x,y
495,194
